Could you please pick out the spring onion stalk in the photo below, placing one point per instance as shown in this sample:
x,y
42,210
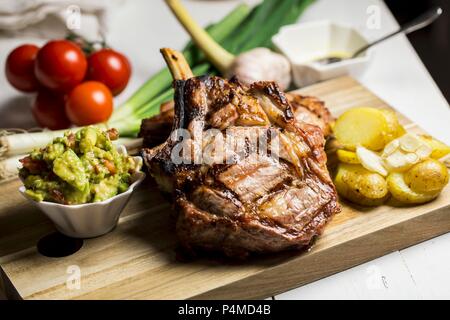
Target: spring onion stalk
x,y
152,108
219,32
214,52
22,143
131,125
287,13
162,80
270,26
9,167
251,26
273,15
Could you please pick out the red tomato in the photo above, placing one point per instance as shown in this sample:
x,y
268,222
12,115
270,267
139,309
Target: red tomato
x,y
60,65
111,68
19,68
89,103
48,110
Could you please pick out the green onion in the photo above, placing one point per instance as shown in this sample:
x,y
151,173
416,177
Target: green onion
x,y
214,52
250,28
279,16
8,167
291,17
130,126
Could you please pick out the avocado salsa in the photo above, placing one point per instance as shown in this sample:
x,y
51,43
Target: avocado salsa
x,y
77,168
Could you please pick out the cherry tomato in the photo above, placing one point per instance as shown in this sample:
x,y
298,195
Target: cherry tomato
x,y
111,68
19,68
89,103
60,65
48,110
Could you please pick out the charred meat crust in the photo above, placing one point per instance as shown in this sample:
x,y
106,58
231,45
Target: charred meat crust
x,y
273,91
157,129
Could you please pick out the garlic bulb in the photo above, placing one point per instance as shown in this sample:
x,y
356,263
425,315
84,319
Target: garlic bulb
x,y
261,64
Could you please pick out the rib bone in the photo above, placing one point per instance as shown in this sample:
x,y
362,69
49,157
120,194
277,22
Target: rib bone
x,y
178,66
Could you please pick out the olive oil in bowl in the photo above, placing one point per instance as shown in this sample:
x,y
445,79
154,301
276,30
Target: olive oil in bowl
x,y
333,57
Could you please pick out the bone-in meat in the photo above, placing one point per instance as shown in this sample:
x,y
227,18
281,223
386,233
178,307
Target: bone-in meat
x,y
234,195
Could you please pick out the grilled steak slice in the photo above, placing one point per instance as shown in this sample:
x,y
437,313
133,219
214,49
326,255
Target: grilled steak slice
x,y
257,182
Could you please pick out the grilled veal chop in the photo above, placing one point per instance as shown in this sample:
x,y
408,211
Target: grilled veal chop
x,y
241,197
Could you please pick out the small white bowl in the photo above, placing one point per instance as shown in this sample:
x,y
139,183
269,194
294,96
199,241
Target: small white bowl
x,y
91,219
304,43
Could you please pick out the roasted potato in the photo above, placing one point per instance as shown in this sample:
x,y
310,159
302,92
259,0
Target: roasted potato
x,y
394,128
429,176
347,156
360,186
403,193
440,149
365,127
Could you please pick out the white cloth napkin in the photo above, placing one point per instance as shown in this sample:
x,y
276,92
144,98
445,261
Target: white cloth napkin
x,y
53,18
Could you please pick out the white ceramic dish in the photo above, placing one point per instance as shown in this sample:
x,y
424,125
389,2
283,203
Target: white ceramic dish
x,y
91,219
304,43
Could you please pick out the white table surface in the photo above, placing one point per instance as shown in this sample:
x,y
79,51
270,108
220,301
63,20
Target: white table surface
x,y
140,27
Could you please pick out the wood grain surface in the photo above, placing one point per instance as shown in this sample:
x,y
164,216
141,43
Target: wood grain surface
x,y
138,260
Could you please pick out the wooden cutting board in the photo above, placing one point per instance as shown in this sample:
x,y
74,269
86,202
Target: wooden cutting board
x,y
138,259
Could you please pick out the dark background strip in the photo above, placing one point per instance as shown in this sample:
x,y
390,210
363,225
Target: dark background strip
x,y
431,43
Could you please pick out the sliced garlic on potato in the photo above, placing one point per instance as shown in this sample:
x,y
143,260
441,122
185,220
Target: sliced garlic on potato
x,y
391,147
400,154
412,158
371,161
410,142
397,161
424,151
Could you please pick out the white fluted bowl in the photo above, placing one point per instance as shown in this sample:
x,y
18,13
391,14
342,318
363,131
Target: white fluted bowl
x,y
91,219
305,42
